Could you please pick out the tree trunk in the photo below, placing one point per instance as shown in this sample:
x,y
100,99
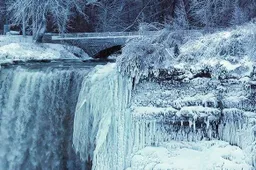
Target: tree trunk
x,y
40,31
23,25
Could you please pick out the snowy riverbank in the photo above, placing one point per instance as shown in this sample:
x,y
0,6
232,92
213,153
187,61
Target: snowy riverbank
x,y
15,48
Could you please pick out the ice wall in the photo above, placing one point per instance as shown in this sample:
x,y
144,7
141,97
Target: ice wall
x,y
193,111
36,118
102,124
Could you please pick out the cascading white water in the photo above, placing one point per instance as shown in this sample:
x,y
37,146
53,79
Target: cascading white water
x,y
102,123
36,118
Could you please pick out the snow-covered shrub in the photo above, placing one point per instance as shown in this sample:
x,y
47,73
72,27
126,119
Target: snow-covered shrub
x,y
230,52
149,54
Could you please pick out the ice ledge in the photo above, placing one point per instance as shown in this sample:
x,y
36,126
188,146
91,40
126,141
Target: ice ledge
x,y
189,112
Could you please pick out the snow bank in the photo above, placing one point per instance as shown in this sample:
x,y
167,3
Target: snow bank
x,y
16,48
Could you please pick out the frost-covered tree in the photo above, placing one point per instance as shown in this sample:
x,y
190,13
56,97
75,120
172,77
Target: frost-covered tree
x,y
180,18
3,15
109,12
239,16
33,13
220,13
127,15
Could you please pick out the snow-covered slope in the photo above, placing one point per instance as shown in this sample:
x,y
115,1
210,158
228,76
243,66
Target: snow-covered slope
x,y
231,52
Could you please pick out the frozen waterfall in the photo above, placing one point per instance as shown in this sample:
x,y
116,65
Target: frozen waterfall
x,y
102,120
117,127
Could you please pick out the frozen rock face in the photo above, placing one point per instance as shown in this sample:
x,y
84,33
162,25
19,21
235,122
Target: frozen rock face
x,y
163,121
36,118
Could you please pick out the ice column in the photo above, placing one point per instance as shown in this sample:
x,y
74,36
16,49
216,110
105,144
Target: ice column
x,y
102,124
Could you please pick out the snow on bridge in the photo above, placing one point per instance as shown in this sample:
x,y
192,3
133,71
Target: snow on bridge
x,y
100,35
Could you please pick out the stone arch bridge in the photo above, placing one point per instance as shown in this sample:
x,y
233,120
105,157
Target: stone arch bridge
x,y
95,44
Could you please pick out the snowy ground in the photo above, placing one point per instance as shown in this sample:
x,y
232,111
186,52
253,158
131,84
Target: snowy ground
x,y
203,155
18,48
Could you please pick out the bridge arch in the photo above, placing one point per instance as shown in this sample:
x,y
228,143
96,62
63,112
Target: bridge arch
x,y
116,49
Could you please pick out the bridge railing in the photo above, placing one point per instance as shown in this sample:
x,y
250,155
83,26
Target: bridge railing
x,y
112,35
99,35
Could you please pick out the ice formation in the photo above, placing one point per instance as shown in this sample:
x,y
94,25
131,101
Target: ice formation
x,y
102,123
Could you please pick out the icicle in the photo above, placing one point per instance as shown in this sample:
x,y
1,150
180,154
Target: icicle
x,y
207,123
194,125
230,130
190,123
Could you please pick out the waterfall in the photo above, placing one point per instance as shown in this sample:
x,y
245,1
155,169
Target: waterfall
x,y
138,113
102,125
36,118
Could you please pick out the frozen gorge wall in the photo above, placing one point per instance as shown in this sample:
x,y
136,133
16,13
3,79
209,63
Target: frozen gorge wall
x,y
114,121
194,87
36,118
204,90
195,110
